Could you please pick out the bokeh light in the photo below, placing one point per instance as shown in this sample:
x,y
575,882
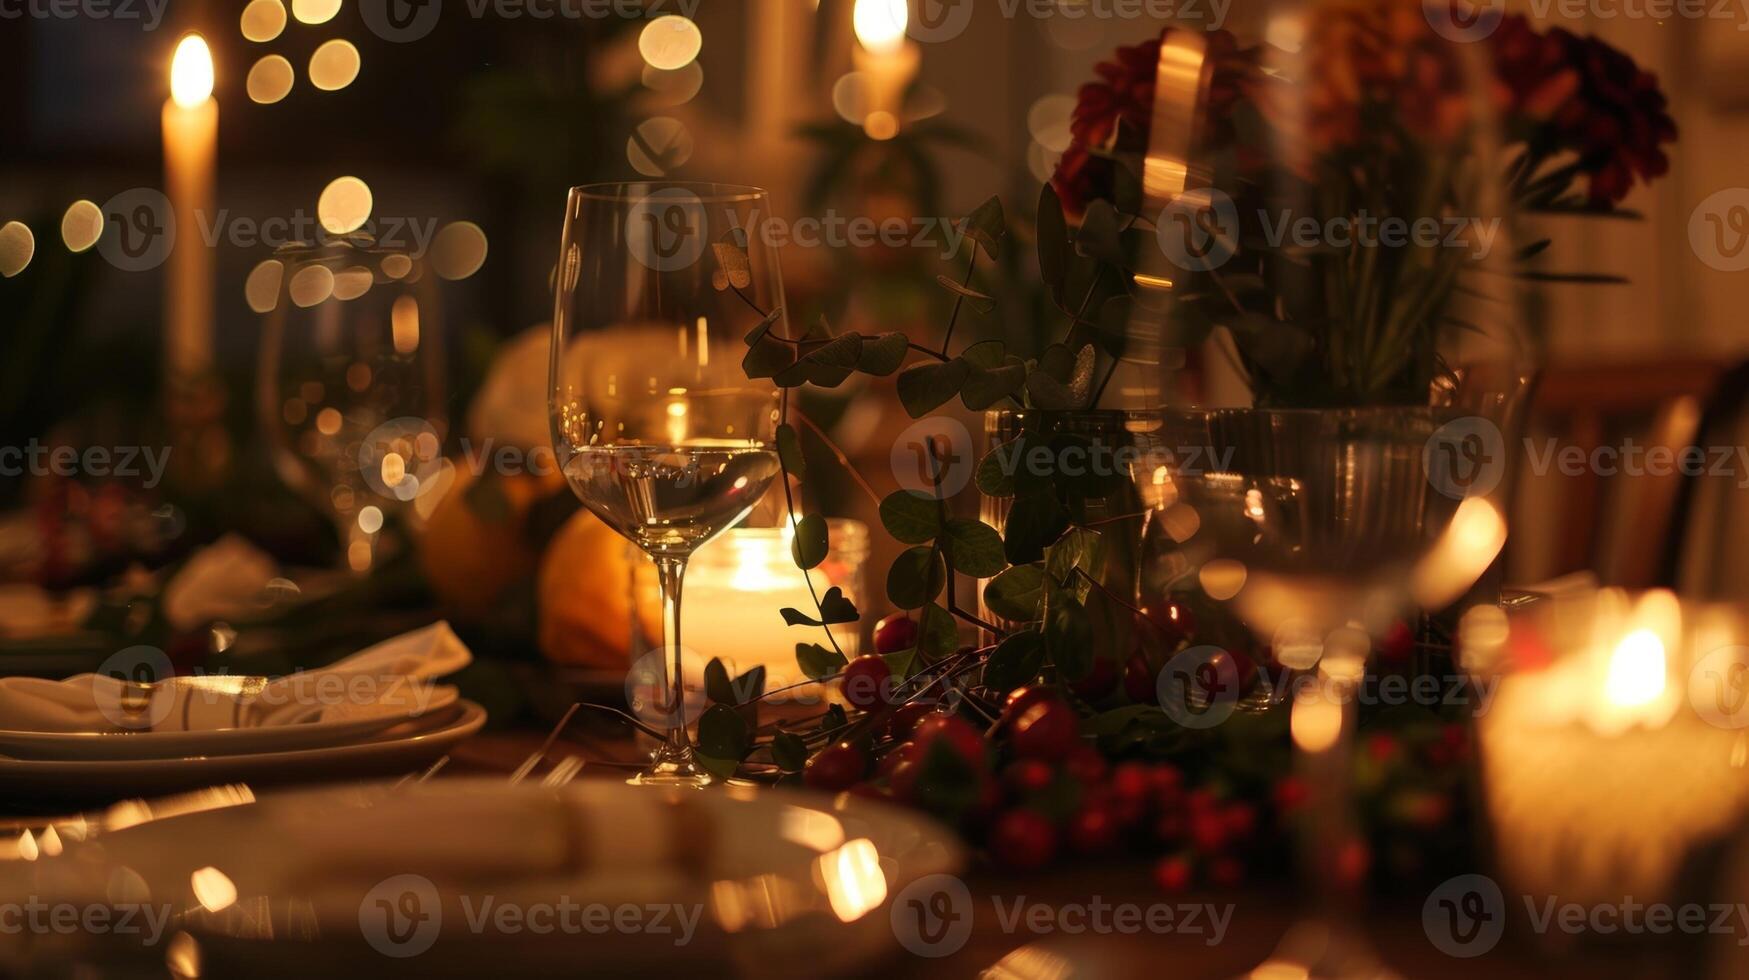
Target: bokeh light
x,y
345,205
670,43
81,226
261,289
334,65
263,20
17,246
315,11
270,80
459,250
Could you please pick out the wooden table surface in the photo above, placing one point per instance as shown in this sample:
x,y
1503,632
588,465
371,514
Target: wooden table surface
x,y
1256,918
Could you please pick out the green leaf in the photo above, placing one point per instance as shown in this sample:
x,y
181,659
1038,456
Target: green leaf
x,y
987,226
904,664
1053,237
734,269
723,734
883,355
1035,521
827,365
986,387
985,354
1079,547
795,617
817,661
974,548
995,473
939,636
789,752
1098,237
1016,593
910,517
1068,634
750,687
982,302
925,387
1015,662
789,451
763,327
837,608
1111,331
946,783
916,577
716,683
766,358
811,541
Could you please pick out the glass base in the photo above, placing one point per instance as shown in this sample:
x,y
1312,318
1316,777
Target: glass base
x,y
1318,950
674,769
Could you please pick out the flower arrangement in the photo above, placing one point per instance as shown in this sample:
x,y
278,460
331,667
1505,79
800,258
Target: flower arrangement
x,y
1053,736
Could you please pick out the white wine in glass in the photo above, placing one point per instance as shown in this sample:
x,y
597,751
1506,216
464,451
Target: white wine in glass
x,y
658,429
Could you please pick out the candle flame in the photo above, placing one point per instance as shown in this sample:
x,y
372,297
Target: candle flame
x,y
880,24
191,72
1636,670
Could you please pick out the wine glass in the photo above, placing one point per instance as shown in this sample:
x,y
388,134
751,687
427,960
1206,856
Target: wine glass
x,y
657,427
350,395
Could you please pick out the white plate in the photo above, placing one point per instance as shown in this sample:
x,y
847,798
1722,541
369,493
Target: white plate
x,y
101,746
399,749
377,880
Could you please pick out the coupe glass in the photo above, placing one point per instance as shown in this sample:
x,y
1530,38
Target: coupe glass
x,y
657,428
350,388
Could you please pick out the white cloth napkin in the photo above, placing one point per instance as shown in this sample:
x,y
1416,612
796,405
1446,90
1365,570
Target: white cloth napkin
x,y
225,579
391,679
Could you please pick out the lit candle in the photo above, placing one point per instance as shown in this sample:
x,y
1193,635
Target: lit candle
x,y
886,61
736,584
191,132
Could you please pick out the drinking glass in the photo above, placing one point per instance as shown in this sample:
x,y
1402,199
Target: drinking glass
x,y
349,395
657,428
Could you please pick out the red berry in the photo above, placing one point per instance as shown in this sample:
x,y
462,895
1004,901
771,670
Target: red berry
x,y
1398,643
1022,698
1208,832
1166,783
1130,781
867,682
1290,794
835,767
1023,840
1227,872
1092,829
902,779
989,800
894,633
904,719
1172,827
1173,873
1240,820
899,753
958,734
1086,764
1353,860
1381,747
1140,680
1046,730
1172,619
1024,777
1201,800
1100,680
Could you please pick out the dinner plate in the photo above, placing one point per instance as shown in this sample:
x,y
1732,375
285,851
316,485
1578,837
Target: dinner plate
x,y
398,749
476,877
100,746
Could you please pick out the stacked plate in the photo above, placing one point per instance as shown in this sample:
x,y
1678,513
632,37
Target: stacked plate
x,y
375,713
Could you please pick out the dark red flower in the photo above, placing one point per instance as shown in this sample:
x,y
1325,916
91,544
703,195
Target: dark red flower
x,y
1618,121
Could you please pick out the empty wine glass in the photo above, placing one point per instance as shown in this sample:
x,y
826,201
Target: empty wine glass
x,y
350,390
656,426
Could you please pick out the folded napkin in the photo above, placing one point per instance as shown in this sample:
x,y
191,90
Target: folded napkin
x,y
392,679
224,579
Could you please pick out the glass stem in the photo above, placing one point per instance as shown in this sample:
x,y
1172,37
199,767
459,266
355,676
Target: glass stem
x,y
670,571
